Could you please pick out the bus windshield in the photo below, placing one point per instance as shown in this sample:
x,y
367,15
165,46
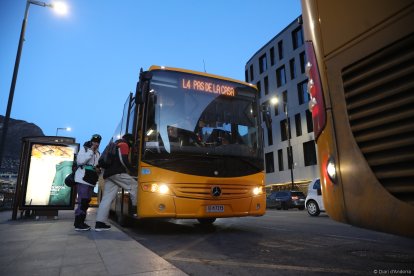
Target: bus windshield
x,y
190,114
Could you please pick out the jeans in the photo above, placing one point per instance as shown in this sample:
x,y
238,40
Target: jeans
x,y
84,198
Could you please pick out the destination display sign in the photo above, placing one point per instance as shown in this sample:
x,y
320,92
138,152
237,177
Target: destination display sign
x,y
208,86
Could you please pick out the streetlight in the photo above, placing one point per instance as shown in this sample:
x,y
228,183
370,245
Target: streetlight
x,y
62,128
287,129
60,8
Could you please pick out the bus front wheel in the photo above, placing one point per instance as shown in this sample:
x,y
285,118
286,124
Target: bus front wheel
x,y
206,221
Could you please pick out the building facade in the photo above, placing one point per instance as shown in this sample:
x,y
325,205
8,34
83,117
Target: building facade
x,y
278,71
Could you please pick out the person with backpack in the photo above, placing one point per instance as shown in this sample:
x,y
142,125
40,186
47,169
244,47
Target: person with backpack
x,y
116,167
86,176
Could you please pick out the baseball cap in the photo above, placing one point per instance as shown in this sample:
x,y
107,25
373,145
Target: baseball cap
x,y
96,138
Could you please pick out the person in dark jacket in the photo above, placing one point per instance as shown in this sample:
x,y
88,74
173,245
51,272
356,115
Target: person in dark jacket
x,y
87,161
115,176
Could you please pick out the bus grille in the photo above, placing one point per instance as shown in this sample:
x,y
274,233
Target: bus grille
x,y
379,92
204,191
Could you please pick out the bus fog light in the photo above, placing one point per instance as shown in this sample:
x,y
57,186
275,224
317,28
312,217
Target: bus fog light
x,y
258,206
161,207
331,169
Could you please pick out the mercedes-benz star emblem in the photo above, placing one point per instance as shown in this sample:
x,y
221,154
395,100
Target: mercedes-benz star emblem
x,y
216,191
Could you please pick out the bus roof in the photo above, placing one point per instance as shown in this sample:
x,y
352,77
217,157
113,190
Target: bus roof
x,y
157,67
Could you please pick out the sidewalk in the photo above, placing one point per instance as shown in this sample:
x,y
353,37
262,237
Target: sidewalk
x,y
52,247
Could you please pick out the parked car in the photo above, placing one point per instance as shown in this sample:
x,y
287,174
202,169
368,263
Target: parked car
x,y
286,200
314,202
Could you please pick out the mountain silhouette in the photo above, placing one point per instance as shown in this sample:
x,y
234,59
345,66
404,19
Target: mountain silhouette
x,y
16,131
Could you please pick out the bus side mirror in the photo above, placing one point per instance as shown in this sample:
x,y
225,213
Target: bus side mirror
x,y
144,78
138,94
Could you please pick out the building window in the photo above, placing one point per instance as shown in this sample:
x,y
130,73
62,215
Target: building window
x,y
284,128
280,49
263,63
276,106
285,100
272,56
280,159
270,166
303,94
297,38
302,57
246,75
292,68
259,88
309,153
266,85
289,157
251,73
298,125
265,106
281,76
269,136
309,121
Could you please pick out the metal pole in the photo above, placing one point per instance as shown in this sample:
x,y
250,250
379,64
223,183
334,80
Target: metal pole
x,y
13,84
290,150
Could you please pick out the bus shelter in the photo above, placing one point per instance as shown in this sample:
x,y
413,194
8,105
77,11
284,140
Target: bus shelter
x,y
45,161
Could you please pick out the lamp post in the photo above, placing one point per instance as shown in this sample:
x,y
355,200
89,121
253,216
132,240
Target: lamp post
x,y
62,128
61,9
290,151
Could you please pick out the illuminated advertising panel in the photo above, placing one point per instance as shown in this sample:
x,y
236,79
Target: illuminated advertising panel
x,y
48,166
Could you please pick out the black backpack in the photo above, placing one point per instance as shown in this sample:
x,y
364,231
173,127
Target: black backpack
x,y
108,155
70,179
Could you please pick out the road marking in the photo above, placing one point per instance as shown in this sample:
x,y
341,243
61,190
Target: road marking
x,y
269,266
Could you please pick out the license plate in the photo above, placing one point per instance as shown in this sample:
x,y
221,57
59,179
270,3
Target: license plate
x,y
215,208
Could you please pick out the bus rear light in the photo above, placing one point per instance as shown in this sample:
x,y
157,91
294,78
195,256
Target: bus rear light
x,y
312,104
316,103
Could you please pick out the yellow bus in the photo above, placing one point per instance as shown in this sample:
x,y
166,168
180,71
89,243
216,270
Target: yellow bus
x,y
198,147
361,81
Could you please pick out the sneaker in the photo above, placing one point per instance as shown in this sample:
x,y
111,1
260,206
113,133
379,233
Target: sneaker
x,y
100,226
85,225
82,227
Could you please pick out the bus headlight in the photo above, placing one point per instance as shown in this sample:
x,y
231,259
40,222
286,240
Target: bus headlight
x,y
159,188
163,189
257,190
331,169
